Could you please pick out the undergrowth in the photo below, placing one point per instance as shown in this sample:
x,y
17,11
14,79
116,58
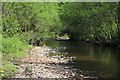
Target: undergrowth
x,y
12,47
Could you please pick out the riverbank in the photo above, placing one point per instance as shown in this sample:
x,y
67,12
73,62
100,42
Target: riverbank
x,y
39,63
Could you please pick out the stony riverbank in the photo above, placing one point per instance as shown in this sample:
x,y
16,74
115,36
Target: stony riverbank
x,y
40,64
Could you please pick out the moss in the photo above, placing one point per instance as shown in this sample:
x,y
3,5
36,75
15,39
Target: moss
x,y
53,54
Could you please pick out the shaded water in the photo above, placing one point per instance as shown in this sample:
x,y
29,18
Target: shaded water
x,y
91,60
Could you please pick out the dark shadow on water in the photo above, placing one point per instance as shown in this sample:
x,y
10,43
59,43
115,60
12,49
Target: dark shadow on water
x,y
95,68
91,59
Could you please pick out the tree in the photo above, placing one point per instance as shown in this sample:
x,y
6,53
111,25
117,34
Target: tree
x,y
40,20
91,21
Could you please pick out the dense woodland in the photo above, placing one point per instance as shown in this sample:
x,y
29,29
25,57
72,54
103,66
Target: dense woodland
x,y
34,23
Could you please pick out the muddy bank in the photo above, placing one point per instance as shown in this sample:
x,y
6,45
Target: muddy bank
x,y
40,64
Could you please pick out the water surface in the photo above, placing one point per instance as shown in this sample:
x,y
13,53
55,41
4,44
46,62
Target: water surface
x,y
91,60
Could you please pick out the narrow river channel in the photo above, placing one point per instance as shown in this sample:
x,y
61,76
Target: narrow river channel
x,y
91,60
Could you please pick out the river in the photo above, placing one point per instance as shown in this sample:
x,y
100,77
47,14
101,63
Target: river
x,y
90,60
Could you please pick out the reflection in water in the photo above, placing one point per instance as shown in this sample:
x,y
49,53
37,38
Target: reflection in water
x,y
92,60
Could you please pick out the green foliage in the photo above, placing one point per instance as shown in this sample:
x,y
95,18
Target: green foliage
x,y
1,72
31,18
27,22
88,21
13,47
8,69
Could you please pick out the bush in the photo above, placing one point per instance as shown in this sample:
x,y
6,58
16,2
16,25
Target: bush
x,y
13,47
8,69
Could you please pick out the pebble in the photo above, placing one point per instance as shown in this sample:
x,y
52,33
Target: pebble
x,y
48,68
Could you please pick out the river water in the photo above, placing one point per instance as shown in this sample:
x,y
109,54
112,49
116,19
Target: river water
x,y
90,60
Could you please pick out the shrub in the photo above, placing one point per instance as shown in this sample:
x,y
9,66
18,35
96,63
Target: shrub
x,y
8,69
13,47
